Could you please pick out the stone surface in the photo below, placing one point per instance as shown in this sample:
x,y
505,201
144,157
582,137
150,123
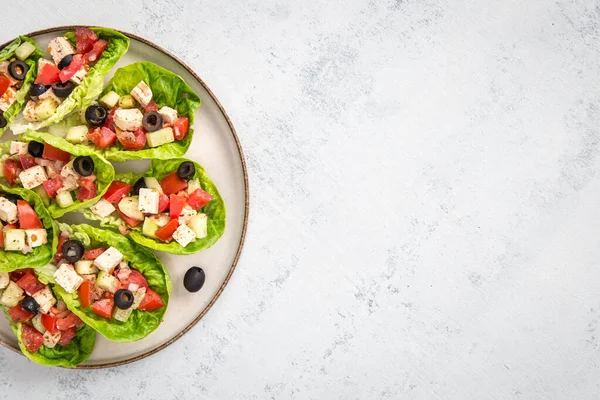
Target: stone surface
x,y
424,200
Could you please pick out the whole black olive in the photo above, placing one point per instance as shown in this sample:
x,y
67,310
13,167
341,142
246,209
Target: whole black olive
x,y
123,299
194,279
186,170
37,89
140,184
152,121
83,165
18,69
29,304
36,149
3,122
96,115
66,61
72,250
63,90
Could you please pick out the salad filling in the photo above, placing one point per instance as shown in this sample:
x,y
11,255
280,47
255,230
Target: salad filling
x,y
21,229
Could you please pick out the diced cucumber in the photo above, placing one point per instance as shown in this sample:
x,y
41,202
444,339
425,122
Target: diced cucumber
x,y
12,295
149,229
4,280
85,267
160,137
77,134
198,224
24,50
110,99
64,199
193,184
126,101
37,324
107,282
152,183
45,108
130,207
14,240
122,315
40,191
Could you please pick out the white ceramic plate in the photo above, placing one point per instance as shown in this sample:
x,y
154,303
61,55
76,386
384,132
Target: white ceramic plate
x,y
217,148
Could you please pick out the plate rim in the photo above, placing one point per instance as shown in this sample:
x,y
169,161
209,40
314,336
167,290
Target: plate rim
x,y
246,195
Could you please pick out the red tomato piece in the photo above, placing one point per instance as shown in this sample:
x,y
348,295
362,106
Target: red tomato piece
x,y
32,339
130,221
116,191
84,40
93,254
1,240
67,73
176,204
12,169
52,153
52,185
87,188
17,314
49,322
59,255
103,308
4,85
102,137
19,273
28,219
48,75
181,127
198,199
166,232
163,203
152,106
172,183
110,119
30,283
27,161
70,321
94,54
85,294
67,336
137,278
132,140
151,301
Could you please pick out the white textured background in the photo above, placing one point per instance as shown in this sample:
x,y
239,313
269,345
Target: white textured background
x,y
425,200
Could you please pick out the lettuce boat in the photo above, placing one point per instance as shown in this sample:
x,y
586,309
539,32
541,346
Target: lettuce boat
x,y
114,285
39,246
46,331
67,177
73,78
15,80
188,216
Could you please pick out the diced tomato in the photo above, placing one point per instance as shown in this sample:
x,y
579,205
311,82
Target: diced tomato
x,y
110,119
94,54
59,255
67,336
84,40
12,169
1,239
87,188
17,314
52,185
52,153
132,140
49,322
19,273
137,278
67,73
116,191
198,199
85,294
30,283
70,321
32,339
166,232
28,219
4,85
172,183
103,308
176,204
151,107
151,301
93,254
180,127
130,221
102,137
48,75
163,203
27,161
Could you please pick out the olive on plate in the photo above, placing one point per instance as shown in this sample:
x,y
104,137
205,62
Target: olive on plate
x,y
2,121
186,170
36,149
72,250
66,61
63,90
194,279
18,69
96,115
83,165
38,89
11,197
140,184
152,121
123,299
29,304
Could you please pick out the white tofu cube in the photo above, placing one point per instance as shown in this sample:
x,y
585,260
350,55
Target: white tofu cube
x,y
67,278
184,235
142,93
169,114
33,177
45,299
4,280
8,211
60,47
103,208
79,75
36,237
51,340
50,94
161,219
18,147
128,119
7,99
186,214
108,260
138,296
29,112
148,201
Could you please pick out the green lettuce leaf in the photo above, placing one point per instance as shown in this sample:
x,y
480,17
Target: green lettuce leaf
x,y
40,256
103,169
215,210
141,323
168,89
31,61
69,356
83,95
